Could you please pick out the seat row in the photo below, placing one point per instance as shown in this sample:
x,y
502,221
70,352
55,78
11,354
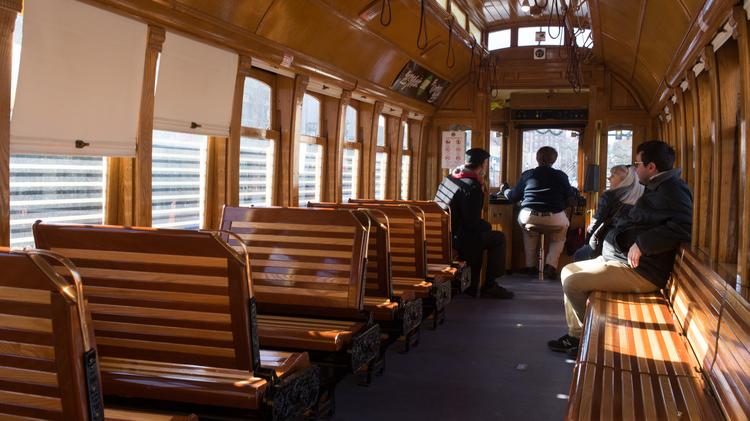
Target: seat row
x,y
259,319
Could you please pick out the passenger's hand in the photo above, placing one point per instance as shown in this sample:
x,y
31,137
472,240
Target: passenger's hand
x,y
634,255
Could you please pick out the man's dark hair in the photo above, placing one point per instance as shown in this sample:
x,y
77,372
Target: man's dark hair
x,y
475,157
546,156
658,152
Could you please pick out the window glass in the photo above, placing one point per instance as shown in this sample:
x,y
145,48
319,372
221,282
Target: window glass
x,y
350,124
405,171
496,158
619,149
475,32
310,168
381,130
256,104
527,36
442,3
55,189
405,145
256,171
468,139
381,168
350,172
498,40
310,116
459,15
583,38
179,172
565,143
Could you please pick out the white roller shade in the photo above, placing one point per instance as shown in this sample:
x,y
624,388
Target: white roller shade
x,y
195,88
80,78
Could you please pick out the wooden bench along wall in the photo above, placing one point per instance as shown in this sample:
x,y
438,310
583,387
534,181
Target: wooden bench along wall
x,y
440,259
682,355
48,360
175,320
398,314
308,271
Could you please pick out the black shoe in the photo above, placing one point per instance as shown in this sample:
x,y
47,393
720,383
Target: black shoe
x,y
564,344
550,272
530,271
497,292
573,352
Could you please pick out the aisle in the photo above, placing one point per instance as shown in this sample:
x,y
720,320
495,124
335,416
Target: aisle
x,y
488,361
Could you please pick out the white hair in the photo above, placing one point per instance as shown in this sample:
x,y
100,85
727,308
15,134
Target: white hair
x,y
630,189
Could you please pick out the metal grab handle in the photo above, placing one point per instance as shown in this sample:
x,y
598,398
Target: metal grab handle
x,y
75,295
245,251
365,229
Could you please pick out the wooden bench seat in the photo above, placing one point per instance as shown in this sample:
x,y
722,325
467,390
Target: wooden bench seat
x,y
441,262
676,355
308,277
180,299
45,340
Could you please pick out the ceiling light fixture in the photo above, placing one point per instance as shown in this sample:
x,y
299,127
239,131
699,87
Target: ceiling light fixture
x,y
525,6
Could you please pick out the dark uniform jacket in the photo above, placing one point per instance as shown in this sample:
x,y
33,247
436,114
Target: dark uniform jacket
x,y
658,222
542,189
465,198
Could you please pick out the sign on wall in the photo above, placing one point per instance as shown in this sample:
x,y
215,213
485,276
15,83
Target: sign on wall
x,y
417,82
454,149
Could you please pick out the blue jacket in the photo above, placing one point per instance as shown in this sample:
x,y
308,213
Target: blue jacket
x,y
542,189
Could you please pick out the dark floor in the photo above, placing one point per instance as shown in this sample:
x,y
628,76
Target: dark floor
x,y
488,361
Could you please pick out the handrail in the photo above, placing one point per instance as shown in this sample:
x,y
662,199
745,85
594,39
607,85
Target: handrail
x,y
246,252
76,297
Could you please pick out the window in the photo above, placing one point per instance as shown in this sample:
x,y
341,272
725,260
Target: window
x,y
468,139
442,3
256,145
475,32
55,189
498,40
381,168
496,158
619,149
405,164
381,130
179,172
553,36
256,104
310,169
459,15
256,171
310,116
564,141
351,153
310,158
584,37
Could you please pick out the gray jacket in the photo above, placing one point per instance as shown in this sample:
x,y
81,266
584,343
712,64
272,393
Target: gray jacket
x,y
659,222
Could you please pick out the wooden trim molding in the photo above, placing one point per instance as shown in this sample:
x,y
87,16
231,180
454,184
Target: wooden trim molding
x,y
8,12
714,87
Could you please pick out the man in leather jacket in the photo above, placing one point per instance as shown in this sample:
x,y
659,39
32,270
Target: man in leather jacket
x,y
639,252
464,191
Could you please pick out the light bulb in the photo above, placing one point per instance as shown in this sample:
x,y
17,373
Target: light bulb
x,y
525,6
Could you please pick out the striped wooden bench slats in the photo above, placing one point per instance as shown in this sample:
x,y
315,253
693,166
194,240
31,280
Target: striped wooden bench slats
x,y
300,257
606,393
635,333
174,299
42,348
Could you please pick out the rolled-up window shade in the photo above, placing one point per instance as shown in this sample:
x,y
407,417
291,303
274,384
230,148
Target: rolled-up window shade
x,y
195,87
80,78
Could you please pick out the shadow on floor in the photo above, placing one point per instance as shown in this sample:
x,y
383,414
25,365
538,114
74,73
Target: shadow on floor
x,y
489,361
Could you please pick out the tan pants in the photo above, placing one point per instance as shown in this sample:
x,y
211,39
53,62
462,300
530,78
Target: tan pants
x,y
580,278
531,239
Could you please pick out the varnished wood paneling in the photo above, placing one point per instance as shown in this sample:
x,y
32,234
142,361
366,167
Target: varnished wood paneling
x,y
743,255
705,151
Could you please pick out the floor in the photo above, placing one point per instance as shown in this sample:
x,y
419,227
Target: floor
x,y
489,361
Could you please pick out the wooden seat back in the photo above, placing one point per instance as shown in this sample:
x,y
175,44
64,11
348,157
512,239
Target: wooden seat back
x,y
173,296
303,259
437,227
407,238
48,364
378,275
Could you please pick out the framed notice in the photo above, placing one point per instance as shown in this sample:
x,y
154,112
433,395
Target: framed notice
x,y
417,82
454,149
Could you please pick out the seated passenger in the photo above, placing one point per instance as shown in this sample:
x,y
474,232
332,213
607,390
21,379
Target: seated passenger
x,y
544,193
624,190
639,251
464,191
